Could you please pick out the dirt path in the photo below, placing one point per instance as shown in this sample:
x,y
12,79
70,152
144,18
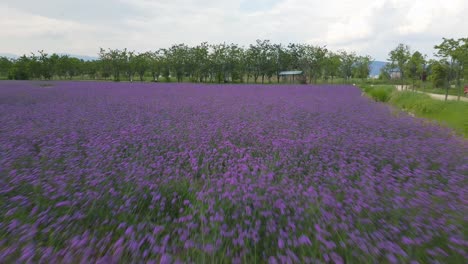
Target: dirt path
x,y
433,95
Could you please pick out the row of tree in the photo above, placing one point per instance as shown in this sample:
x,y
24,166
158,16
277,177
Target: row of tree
x,y
43,66
260,62
451,67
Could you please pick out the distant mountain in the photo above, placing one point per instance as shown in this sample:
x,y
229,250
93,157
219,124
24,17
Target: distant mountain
x,y
9,55
376,66
81,57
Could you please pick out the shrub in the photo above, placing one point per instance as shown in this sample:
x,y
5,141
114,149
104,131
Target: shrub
x,y
380,93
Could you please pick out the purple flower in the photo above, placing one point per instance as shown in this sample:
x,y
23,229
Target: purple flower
x,y
304,240
165,259
272,260
280,243
63,204
162,172
208,248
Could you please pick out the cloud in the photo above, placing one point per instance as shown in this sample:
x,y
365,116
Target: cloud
x,y
368,27
83,11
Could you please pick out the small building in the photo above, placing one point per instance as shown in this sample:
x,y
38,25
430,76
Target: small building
x,y
292,76
395,74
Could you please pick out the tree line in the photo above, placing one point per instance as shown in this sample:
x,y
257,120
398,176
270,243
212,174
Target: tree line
x,y
259,63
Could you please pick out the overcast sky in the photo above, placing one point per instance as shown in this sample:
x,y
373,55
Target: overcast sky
x,y
367,27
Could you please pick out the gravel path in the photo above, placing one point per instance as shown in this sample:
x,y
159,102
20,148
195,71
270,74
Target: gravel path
x,y
433,95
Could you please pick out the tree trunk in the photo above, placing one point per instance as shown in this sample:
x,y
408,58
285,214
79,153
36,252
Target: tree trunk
x,y
447,85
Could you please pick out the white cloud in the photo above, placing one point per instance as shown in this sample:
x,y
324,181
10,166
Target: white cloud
x,y
16,23
370,27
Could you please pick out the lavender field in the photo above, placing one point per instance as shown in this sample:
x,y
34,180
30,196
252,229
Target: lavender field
x,y
177,173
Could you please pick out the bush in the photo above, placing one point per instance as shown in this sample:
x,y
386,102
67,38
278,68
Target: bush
x,y
451,113
380,93
417,102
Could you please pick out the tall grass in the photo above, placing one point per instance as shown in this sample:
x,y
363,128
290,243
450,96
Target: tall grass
x,y
380,93
453,114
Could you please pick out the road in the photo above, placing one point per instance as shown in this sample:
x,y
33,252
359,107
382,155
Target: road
x,y
433,95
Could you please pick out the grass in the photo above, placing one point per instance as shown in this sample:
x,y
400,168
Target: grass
x,y
380,93
451,113
452,91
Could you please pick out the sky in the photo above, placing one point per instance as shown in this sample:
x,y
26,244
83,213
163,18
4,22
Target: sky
x,y
366,27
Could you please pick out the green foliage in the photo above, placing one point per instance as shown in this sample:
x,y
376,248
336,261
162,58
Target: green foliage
x,y
440,71
332,66
416,66
450,113
362,67
347,62
380,93
417,102
455,53
399,57
5,66
259,62
21,70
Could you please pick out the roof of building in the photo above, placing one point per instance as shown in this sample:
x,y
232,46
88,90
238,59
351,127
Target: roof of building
x,y
290,72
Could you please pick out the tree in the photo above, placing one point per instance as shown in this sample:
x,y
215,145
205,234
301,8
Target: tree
x,y
385,72
116,60
74,67
282,59
455,52
399,57
165,62
46,67
261,60
34,67
347,62
154,64
5,66
130,65
235,63
463,56
314,61
362,66
439,72
141,64
218,60
416,67
201,61
91,68
63,66
450,50
21,69
177,57
332,66
253,62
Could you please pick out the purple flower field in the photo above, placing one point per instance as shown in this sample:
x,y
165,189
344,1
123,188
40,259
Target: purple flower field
x,y
177,173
